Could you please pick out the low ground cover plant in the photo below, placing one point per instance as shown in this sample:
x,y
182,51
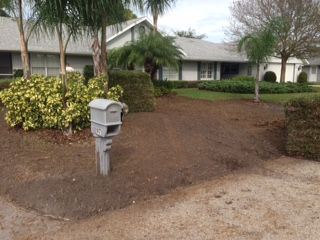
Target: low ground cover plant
x,y
303,127
237,86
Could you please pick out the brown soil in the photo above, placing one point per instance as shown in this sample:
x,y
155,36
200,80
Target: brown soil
x,y
183,142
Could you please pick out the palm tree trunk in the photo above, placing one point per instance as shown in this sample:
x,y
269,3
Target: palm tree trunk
x,y
256,90
103,56
103,44
155,22
63,73
23,45
96,53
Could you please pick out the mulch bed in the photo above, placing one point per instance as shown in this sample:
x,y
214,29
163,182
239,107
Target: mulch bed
x,y
183,142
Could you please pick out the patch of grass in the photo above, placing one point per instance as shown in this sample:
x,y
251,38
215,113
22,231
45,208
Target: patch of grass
x,y
195,93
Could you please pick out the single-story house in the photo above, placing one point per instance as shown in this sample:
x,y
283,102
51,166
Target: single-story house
x,y
202,60
312,68
44,50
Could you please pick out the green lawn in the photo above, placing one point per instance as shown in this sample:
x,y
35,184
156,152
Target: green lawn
x,y
220,96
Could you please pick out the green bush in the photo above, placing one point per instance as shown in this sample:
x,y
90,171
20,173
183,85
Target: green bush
x,y
138,89
161,91
303,127
88,72
234,86
176,84
244,78
303,77
5,83
270,77
17,73
37,103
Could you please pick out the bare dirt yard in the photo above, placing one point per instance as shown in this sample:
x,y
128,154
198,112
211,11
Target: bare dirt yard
x,y
184,142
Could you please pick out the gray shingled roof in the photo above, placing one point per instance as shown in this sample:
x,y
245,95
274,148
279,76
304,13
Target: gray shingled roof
x,y
9,39
200,50
314,61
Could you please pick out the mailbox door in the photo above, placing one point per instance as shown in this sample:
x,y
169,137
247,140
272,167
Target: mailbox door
x,y
113,114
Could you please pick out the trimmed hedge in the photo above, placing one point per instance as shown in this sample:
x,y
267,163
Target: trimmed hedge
x,y
303,78
303,127
270,77
138,89
177,84
236,86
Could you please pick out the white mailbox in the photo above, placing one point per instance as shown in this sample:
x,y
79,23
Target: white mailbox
x,y
105,117
106,121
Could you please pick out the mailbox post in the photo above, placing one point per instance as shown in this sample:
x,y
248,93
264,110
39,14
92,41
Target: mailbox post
x,y
105,123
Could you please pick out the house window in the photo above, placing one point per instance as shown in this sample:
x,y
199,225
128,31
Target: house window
x,y
206,72
314,70
45,64
170,73
229,70
5,64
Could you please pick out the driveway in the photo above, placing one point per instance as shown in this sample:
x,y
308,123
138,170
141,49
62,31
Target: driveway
x,y
278,200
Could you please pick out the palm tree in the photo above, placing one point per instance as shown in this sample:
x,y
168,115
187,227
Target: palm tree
x,y
151,51
22,12
96,15
258,47
157,8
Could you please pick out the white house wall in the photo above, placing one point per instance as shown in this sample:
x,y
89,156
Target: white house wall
x,y
189,71
78,62
292,71
312,75
120,40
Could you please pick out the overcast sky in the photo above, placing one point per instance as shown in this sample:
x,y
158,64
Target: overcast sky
x,y
210,17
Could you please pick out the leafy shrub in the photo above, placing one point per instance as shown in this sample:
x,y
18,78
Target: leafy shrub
x,y
161,91
234,86
17,73
5,83
303,127
37,102
303,77
138,89
88,72
115,93
244,78
270,77
176,84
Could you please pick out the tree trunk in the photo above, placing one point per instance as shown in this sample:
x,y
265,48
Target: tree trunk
x,y
103,56
256,90
103,44
96,53
284,60
155,22
23,45
63,74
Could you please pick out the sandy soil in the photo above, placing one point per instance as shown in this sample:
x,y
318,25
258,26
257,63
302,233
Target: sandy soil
x,y
184,142
277,200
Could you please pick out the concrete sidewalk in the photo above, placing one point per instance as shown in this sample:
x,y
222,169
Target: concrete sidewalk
x,y
280,200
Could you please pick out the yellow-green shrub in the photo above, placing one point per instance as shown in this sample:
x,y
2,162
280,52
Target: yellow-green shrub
x,y
37,102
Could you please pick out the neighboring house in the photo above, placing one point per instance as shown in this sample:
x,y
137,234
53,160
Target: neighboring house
x,y
44,50
202,60
312,68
